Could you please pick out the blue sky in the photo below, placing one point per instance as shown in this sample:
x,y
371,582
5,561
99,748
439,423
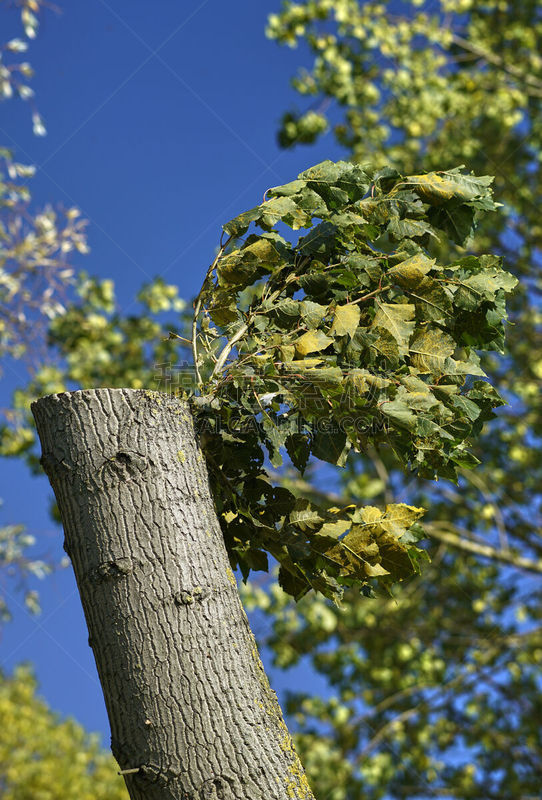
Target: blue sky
x,y
161,122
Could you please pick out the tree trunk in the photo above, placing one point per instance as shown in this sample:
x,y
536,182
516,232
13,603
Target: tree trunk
x,y
191,711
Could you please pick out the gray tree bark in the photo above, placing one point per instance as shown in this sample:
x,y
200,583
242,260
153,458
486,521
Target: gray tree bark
x,y
191,711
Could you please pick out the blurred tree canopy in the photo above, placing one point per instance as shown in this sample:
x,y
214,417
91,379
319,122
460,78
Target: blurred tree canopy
x,y
36,246
45,758
434,692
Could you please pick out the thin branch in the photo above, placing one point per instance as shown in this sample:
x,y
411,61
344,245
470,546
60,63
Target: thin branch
x,y
486,551
382,732
197,307
480,484
221,360
381,471
173,335
223,357
371,294
534,84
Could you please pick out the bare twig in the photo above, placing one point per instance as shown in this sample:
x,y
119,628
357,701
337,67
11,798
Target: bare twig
x,y
222,358
454,537
381,471
197,307
480,484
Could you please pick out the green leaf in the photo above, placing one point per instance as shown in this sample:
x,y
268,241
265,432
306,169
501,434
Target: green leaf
x,y
257,559
295,585
410,272
431,299
223,308
398,320
457,222
298,448
464,459
283,209
332,530
400,413
338,182
312,313
305,515
286,312
320,241
324,375
468,407
409,229
242,266
276,437
287,189
330,446
238,226
483,285
385,344
303,364
400,516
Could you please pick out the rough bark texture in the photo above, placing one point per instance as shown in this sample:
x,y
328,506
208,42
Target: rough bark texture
x,y
191,711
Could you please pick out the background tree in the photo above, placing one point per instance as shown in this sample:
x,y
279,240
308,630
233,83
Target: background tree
x,y
36,248
35,245
41,756
418,701
45,757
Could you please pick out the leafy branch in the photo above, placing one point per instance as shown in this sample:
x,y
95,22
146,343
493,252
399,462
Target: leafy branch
x,y
350,337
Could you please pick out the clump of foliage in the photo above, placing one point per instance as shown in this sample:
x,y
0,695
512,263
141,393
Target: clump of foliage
x,y
15,74
418,82
46,758
35,246
36,273
423,698
15,563
355,335
35,270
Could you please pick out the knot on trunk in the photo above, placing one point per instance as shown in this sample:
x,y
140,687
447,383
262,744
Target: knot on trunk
x,y
110,570
126,463
187,597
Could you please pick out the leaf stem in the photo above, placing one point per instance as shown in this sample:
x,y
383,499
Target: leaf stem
x,y
222,358
371,294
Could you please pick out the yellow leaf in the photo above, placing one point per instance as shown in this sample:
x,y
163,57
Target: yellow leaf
x,y
303,363
411,271
399,517
346,320
334,529
312,342
430,349
370,514
374,570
